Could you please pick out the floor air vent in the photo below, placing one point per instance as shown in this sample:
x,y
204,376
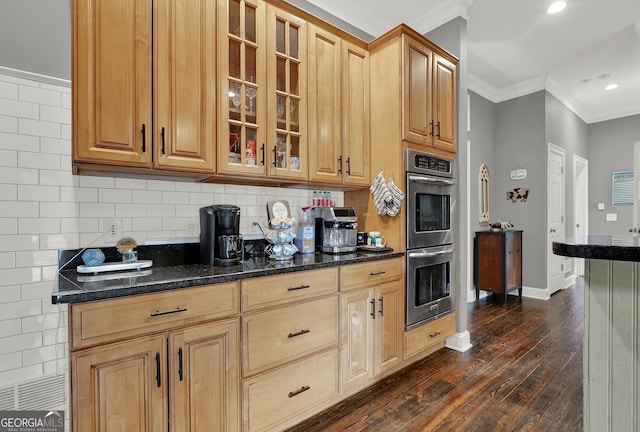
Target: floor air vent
x,y
42,394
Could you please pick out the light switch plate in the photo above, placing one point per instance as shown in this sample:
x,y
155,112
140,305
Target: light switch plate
x,y
600,206
612,217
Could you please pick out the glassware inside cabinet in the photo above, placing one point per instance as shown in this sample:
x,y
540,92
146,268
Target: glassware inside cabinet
x,y
294,124
281,151
245,91
235,98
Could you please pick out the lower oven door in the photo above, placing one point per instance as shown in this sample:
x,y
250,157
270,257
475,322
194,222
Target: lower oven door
x,y
429,284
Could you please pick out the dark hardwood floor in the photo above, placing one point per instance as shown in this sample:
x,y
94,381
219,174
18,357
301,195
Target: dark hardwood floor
x,y
524,373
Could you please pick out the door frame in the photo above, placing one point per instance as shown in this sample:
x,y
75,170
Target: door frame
x,y
552,148
580,206
636,188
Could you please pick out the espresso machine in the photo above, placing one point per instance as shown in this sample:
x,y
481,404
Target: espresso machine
x,y
220,240
336,229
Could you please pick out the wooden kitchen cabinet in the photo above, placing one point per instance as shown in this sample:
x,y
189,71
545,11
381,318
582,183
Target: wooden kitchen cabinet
x,y
426,84
372,322
498,262
243,71
429,96
290,336
338,110
120,387
144,84
164,362
286,141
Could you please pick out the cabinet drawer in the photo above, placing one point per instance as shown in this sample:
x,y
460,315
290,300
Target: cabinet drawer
x,y
278,336
371,273
429,335
125,317
275,290
272,398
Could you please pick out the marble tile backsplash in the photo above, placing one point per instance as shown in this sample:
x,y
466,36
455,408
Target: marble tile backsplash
x,y
44,208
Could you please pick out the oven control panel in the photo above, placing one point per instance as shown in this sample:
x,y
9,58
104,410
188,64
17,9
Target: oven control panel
x,y
424,163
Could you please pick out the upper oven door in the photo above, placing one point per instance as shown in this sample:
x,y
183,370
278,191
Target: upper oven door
x,y
430,203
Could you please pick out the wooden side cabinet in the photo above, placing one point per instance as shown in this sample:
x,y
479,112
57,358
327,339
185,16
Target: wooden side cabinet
x,y
497,262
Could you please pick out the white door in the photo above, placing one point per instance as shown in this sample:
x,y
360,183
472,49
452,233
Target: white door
x,y
580,205
636,190
555,216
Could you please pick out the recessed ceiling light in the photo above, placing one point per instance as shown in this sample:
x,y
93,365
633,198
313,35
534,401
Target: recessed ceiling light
x,y
611,87
556,7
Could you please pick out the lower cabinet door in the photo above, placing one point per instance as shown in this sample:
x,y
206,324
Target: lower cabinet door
x,y
203,374
307,386
357,309
120,386
388,326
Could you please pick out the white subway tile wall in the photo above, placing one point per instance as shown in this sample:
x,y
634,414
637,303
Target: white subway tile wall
x,y
43,208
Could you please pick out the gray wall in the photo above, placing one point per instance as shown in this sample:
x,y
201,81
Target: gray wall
x,y
520,140
482,135
610,149
36,36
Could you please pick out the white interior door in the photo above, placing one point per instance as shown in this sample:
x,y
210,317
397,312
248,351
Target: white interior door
x,y
636,189
555,215
580,205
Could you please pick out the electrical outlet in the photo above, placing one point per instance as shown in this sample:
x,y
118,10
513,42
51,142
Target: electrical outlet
x,y
112,229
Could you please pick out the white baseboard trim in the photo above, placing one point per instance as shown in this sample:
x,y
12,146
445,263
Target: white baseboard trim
x,y
460,342
569,280
536,293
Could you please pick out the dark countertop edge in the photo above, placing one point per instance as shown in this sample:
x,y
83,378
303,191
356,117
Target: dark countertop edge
x,y
602,251
81,296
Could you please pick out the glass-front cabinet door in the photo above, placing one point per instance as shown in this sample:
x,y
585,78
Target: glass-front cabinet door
x,y
286,132
243,89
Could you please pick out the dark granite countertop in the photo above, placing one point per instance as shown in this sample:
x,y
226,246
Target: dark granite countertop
x,y
605,247
72,287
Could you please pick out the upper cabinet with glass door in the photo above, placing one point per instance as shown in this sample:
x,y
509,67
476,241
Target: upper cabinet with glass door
x,y
243,119
287,71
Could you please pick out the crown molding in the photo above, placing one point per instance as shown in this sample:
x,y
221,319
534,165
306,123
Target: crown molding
x,y
440,14
568,101
481,87
16,73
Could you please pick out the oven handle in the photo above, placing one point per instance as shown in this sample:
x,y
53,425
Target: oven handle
x,y
430,254
426,179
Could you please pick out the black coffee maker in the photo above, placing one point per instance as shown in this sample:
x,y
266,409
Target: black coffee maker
x,y
220,240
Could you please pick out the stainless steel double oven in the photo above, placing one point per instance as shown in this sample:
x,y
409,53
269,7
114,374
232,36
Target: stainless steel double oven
x,y
431,202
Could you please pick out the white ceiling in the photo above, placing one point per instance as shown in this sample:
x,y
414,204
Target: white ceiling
x,y
516,48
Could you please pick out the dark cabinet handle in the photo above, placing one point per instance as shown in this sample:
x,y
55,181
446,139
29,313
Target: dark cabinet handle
x,y
162,136
300,390
274,157
340,164
300,333
180,363
158,383
438,128
262,152
431,126
144,138
167,312
348,166
378,273
381,300
373,308
432,335
298,287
